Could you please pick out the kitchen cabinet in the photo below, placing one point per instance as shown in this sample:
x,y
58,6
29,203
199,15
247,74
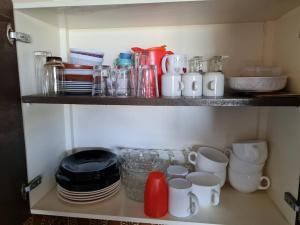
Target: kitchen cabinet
x,y
251,32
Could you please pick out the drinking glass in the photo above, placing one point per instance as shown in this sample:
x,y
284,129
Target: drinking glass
x,y
147,81
39,62
123,75
100,75
111,83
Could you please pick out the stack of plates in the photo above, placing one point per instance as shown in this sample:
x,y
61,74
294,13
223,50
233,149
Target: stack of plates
x,y
78,79
88,176
81,87
87,197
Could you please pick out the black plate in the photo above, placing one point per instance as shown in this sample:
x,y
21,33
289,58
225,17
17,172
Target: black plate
x,y
89,162
87,185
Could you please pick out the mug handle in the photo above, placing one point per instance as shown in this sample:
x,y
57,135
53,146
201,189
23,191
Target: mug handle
x,y
210,85
227,152
163,63
267,185
194,204
190,158
195,86
215,197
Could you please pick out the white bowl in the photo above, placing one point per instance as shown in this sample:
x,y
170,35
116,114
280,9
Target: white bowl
x,y
85,60
257,84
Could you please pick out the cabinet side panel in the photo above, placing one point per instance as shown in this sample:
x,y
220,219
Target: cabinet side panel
x,y
43,124
283,165
284,123
286,51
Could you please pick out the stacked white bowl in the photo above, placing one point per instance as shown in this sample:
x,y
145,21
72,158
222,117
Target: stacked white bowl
x,y
246,163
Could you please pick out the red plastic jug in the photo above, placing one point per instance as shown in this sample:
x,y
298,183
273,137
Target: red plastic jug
x,y
156,195
156,55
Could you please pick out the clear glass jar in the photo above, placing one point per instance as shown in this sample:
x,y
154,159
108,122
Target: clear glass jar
x,y
53,81
40,58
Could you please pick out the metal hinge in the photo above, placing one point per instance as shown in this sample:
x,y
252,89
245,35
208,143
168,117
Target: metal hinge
x,y
26,188
13,36
292,201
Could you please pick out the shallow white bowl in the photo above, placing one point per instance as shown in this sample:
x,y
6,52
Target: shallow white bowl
x,y
257,84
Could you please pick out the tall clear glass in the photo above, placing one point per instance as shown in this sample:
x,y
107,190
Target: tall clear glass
x,y
148,82
123,75
39,62
100,76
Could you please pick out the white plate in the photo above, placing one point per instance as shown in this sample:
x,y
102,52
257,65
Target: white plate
x,y
89,192
89,201
88,197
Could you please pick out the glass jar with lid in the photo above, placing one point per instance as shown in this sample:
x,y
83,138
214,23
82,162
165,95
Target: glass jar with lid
x,y
53,82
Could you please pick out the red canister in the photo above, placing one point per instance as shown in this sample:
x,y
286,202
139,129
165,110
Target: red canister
x,y
156,195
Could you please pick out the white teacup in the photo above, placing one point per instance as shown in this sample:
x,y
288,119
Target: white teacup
x,y
206,187
248,182
174,64
182,202
177,171
244,167
255,152
208,159
192,85
171,85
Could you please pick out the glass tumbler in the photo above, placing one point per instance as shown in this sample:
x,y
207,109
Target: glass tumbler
x,y
123,75
100,75
53,82
40,58
147,82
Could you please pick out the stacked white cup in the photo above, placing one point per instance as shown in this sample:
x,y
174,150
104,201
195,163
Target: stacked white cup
x,y
210,160
246,163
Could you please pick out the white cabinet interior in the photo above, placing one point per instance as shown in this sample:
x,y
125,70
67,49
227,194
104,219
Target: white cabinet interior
x,y
250,32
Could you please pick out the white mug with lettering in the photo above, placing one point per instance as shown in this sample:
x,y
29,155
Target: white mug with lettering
x,y
213,84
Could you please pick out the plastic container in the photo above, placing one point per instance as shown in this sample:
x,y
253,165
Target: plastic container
x,y
85,60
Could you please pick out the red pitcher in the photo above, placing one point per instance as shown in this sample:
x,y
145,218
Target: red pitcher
x,y
155,55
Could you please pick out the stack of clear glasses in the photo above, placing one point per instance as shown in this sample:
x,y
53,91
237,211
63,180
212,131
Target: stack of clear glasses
x,y
139,79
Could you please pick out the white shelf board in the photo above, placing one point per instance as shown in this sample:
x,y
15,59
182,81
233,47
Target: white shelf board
x,y
235,209
25,4
95,14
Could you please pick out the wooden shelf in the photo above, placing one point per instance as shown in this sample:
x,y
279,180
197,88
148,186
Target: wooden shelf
x,y
235,209
259,100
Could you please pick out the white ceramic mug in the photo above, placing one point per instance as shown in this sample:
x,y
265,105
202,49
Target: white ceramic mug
x,y
244,167
174,64
182,202
248,182
171,85
206,187
255,152
208,159
213,84
177,171
192,85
